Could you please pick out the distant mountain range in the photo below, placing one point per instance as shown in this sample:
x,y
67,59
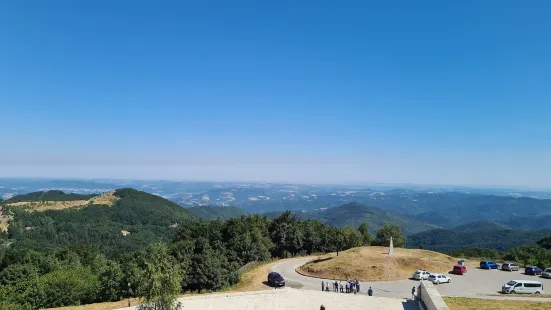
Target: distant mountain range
x,y
437,218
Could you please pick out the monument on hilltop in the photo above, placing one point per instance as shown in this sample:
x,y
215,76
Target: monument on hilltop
x,y
391,247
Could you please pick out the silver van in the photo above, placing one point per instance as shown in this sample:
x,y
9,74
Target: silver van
x,y
522,287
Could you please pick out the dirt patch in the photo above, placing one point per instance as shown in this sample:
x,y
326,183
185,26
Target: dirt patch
x,y
103,305
461,303
107,198
374,264
41,206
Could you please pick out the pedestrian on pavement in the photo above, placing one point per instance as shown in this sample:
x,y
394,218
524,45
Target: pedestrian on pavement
x,y
327,286
342,287
358,285
370,291
322,287
347,287
413,293
336,286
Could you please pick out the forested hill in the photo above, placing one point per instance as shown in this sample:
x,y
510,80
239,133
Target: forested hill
x,y
476,235
134,220
53,195
215,212
353,214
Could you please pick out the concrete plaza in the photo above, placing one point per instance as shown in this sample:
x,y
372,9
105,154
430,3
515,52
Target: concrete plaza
x,y
292,299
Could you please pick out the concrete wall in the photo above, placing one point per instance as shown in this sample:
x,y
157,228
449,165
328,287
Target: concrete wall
x,y
431,297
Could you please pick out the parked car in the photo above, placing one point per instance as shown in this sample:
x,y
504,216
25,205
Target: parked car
x,y
546,273
421,274
522,287
532,270
275,279
488,264
437,278
510,266
459,269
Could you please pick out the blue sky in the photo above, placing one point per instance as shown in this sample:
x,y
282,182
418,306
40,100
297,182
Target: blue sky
x,y
440,92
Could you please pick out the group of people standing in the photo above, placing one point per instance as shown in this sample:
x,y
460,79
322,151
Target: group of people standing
x,y
349,286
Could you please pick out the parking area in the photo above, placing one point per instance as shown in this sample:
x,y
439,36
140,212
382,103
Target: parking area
x,y
485,282
475,283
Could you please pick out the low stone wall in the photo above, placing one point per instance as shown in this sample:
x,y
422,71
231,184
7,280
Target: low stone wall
x,y
431,297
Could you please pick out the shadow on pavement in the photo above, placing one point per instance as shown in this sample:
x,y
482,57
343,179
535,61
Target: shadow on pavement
x,y
410,304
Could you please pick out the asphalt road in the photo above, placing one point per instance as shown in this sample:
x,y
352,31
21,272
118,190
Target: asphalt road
x,y
475,283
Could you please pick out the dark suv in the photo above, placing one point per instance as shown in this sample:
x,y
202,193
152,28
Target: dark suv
x,y
275,279
532,270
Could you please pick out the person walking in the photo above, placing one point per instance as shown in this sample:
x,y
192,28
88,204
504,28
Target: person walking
x,y
336,286
342,287
347,287
413,293
327,286
370,291
322,286
358,285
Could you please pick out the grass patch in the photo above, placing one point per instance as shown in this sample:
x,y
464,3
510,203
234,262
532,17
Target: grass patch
x,y
524,295
374,264
462,303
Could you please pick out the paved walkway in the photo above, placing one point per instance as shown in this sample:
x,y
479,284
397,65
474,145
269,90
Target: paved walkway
x,y
292,299
475,283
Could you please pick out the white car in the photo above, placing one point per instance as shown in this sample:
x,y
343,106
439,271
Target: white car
x,y
437,278
420,274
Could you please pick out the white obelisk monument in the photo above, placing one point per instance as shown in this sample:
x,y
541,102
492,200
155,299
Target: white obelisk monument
x,y
391,247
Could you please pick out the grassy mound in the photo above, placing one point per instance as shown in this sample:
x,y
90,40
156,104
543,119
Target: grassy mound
x,y
374,264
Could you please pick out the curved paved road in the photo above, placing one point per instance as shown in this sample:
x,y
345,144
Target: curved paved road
x,y
476,283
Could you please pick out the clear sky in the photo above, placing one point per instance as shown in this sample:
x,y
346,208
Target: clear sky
x,y
440,92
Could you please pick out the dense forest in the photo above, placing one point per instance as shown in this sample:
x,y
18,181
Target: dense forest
x,y
79,256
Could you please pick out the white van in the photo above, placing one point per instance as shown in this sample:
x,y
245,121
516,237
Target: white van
x,y
522,287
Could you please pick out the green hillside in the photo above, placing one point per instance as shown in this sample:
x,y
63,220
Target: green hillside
x,y
488,236
353,214
214,212
147,218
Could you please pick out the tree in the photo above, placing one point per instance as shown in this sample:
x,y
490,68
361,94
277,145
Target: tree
x,y
68,287
352,238
364,231
387,231
210,269
286,234
160,283
110,282
545,242
337,239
